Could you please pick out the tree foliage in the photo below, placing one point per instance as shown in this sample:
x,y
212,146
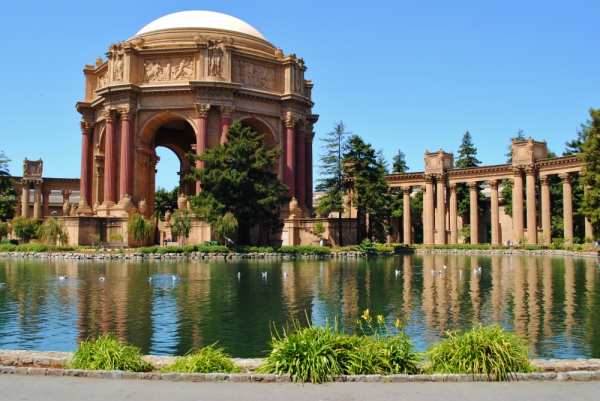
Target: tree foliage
x,y
239,178
518,137
399,163
590,174
165,200
331,170
53,232
140,228
8,199
466,158
182,224
365,179
24,228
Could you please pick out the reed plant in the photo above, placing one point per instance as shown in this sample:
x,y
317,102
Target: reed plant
x,y
108,353
204,360
487,350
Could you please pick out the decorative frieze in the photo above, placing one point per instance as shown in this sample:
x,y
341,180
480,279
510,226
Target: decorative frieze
x,y
250,74
181,69
215,94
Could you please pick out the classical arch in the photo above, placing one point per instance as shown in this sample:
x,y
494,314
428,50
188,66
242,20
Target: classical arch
x,y
262,127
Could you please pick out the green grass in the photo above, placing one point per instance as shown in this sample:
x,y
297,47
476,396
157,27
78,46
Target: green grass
x,y
108,353
487,350
204,360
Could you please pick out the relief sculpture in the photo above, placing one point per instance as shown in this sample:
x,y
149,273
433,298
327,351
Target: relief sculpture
x,y
117,56
156,70
215,59
102,81
253,75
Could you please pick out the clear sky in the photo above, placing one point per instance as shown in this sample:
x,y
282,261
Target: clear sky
x,y
403,74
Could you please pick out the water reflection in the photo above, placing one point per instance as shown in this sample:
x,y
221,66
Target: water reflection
x,y
554,302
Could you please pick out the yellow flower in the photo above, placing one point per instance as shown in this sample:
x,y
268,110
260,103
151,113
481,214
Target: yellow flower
x,y
397,324
366,315
380,319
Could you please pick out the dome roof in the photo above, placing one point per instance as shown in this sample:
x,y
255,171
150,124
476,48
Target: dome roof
x,y
200,19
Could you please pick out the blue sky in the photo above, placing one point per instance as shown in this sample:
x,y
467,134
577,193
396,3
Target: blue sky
x,y
410,75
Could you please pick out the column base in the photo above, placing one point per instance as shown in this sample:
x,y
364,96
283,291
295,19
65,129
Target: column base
x,y
105,209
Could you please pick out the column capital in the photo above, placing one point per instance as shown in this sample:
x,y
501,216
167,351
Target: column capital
x,y
309,137
517,170
440,177
530,169
86,127
109,115
473,185
227,111
66,192
429,178
46,191
289,121
566,177
127,113
407,190
544,179
202,109
301,124
493,184
453,187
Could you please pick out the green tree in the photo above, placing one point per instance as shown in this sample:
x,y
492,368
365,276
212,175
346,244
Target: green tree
x,y
4,229
331,170
590,174
466,158
385,166
399,163
53,232
8,199
140,228
365,178
24,228
182,224
165,200
239,178
518,137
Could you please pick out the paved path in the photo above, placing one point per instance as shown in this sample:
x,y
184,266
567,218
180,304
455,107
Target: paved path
x,y
15,387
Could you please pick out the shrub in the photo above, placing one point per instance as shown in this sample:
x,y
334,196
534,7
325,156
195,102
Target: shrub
x,y
248,249
170,249
366,247
212,248
205,360
460,246
7,247
65,248
53,232
9,241
188,248
140,228
145,251
487,350
108,353
115,238
31,248
305,250
558,243
501,247
24,228
531,247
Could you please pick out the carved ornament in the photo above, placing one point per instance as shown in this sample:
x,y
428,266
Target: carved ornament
x,y
215,94
227,111
202,109
530,169
309,136
109,115
493,184
168,70
102,80
289,121
566,177
517,171
429,178
127,113
473,186
544,179
216,53
255,75
302,124
86,127
407,190
117,53
440,177
146,159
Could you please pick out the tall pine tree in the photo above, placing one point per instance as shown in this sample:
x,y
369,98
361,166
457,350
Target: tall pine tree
x,y
466,158
590,175
399,163
8,201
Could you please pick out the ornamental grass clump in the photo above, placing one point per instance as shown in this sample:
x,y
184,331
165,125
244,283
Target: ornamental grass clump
x,y
108,353
487,350
204,360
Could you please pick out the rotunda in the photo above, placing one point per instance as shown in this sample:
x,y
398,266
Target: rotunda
x,y
179,83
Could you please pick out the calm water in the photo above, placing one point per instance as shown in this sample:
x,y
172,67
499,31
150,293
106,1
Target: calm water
x,y
555,302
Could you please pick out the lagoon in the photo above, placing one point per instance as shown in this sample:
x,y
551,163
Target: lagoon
x,y
553,301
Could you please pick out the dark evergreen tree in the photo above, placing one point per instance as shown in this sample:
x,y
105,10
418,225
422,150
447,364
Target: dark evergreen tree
x,y
399,163
365,179
8,199
590,174
165,200
239,178
506,191
466,158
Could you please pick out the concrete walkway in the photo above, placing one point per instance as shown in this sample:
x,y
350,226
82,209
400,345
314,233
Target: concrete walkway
x,y
16,387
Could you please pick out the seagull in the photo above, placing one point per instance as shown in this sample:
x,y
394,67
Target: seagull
x,y
54,212
397,272
150,279
432,272
239,274
264,274
63,277
460,272
101,279
444,266
440,272
229,240
174,278
479,270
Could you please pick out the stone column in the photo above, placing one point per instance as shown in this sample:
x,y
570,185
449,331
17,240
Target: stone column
x,y
429,211
45,203
37,201
289,176
530,171
309,170
126,161
546,217
226,113
495,213
407,237
589,231
25,200
441,208
301,163
474,195
453,215
85,184
567,208
110,156
517,204
202,110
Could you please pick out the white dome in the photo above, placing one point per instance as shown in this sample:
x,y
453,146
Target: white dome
x,y
200,19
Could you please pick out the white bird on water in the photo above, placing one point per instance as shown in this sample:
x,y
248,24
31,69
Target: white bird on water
x,y
101,279
150,279
444,266
397,272
264,274
432,272
63,277
285,274
440,272
239,274
460,272
174,278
